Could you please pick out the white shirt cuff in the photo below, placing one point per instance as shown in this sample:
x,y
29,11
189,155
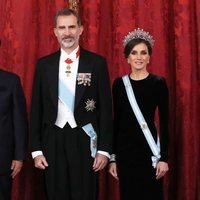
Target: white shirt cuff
x,y
36,153
104,153
39,153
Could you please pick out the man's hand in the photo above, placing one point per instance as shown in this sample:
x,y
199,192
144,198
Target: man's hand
x,y
100,162
40,162
161,169
16,167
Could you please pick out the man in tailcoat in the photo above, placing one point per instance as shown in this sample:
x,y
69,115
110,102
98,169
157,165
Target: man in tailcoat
x,y
13,131
71,115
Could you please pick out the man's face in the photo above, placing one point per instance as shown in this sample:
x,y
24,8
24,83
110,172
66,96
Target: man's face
x,y
68,32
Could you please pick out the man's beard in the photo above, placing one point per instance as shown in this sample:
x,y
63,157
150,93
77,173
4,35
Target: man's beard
x,y
68,44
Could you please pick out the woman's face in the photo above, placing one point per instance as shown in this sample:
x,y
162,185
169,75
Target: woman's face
x,y
139,57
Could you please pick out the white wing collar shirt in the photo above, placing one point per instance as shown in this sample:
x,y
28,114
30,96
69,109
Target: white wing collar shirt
x,y
66,109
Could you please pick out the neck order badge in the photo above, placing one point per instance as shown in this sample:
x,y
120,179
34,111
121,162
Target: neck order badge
x,y
70,61
68,68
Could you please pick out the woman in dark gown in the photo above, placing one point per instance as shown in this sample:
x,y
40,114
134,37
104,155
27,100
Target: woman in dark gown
x,y
138,179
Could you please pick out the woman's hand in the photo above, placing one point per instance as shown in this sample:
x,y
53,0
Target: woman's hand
x,y
113,170
161,169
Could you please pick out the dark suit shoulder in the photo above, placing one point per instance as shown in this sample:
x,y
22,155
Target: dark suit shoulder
x,y
50,57
92,55
8,76
48,60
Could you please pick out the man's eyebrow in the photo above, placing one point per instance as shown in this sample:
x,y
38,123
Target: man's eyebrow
x,y
72,26
61,26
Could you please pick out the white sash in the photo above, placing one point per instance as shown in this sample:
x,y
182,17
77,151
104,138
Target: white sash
x,y
155,148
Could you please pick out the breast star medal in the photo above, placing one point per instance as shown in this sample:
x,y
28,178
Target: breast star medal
x,y
90,105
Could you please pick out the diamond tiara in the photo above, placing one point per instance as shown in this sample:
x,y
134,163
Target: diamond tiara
x,y
138,33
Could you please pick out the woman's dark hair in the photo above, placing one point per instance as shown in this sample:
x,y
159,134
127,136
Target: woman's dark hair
x,y
128,48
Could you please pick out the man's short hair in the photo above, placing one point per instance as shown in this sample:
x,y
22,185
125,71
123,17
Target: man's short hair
x,y
67,12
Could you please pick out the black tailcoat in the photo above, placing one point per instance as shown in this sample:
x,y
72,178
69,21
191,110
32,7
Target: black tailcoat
x,y
44,106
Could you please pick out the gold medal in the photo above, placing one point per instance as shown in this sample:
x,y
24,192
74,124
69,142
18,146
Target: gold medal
x,y
68,70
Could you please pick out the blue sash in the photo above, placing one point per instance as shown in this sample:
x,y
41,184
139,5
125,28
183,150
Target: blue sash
x,y
89,130
155,148
66,96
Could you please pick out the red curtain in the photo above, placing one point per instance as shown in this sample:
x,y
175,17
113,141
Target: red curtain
x,y
26,32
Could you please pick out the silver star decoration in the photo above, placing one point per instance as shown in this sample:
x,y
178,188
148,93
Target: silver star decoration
x,y
90,105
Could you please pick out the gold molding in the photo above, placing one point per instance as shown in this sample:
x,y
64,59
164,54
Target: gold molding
x,y
74,4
